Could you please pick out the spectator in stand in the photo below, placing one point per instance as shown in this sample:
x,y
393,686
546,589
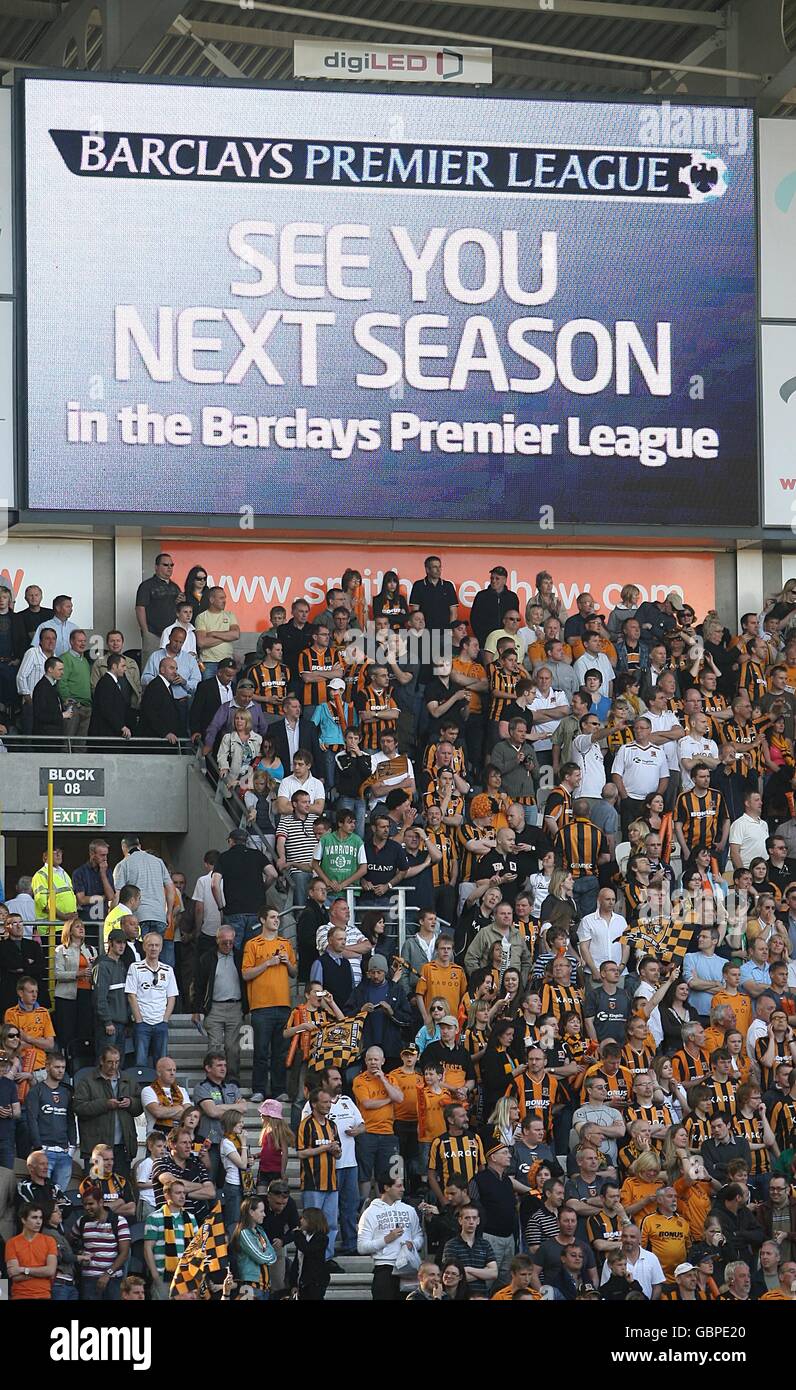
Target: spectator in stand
x,y
93,884
238,885
269,964
156,603
20,957
30,672
74,684
151,991
103,1240
111,1009
27,621
129,677
160,715
48,714
211,694
149,875
106,1105
61,620
220,996
491,604
31,1258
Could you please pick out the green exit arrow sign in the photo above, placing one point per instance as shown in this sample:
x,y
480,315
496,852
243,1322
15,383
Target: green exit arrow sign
x,y
78,817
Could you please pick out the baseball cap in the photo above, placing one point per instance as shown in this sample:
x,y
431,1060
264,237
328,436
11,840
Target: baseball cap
x,y
700,1254
495,1149
411,1048
378,962
337,684
685,1268
116,935
448,1018
674,599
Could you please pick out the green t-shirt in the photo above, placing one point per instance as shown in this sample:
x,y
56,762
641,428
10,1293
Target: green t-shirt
x,y
340,856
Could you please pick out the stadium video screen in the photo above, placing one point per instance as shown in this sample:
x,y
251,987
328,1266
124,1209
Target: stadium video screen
x,y
334,303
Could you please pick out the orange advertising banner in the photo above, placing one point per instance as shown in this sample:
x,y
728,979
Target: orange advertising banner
x,y
259,576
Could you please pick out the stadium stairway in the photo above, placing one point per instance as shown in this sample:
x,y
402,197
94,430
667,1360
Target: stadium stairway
x,y
187,1046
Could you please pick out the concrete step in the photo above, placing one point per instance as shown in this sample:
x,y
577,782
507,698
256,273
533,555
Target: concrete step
x,y
335,1295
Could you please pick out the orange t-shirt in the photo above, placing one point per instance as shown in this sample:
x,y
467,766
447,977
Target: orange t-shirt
x,y
741,1006
633,1189
410,1083
472,671
83,964
31,1254
447,981
37,1024
503,1295
430,1119
668,1237
380,1119
271,989
694,1203
536,652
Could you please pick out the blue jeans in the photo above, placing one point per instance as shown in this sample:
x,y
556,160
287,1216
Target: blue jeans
x,y
357,805
327,1203
231,1206
150,1037
59,1168
167,948
8,1152
584,891
245,924
348,1205
210,669
269,1047
300,879
65,1293
91,1294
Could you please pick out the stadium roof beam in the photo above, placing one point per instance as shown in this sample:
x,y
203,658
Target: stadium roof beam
x,y
521,45
621,78
130,32
596,9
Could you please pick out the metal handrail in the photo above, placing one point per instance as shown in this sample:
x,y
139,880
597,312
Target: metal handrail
x,y
85,743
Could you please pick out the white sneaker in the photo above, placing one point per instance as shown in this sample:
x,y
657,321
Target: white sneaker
x,y
284,1097
257,1098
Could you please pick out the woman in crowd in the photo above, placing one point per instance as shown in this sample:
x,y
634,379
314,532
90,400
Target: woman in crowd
x,y
237,752
250,1249
238,1180
74,962
390,603
675,1011
196,590
454,1282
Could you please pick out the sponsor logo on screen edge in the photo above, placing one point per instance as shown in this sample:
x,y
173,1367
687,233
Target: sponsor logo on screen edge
x,y
76,1343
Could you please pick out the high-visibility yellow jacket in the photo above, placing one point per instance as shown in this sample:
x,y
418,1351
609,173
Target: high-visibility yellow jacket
x,y
65,900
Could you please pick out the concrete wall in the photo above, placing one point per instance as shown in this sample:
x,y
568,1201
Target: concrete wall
x,y
145,792
208,827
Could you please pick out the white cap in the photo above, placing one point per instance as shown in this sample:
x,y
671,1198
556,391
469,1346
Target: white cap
x,y
337,684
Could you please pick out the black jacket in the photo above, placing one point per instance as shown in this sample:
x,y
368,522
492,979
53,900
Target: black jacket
x,y
488,609
18,958
159,715
743,1234
23,626
205,703
392,1039
205,979
308,738
109,712
47,709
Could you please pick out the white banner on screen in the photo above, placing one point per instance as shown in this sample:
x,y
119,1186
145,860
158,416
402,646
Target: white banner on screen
x,y
57,566
777,219
778,375
389,62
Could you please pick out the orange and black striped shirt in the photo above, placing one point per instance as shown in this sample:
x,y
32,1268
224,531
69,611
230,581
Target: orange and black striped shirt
x,y
722,1096
443,840
658,1116
637,1062
619,1084
578,847
562,999
319,1171
467,857
460,1157
617,738
371,701
700,817
502,685
744,736
455,804
752,1131
272,684
314,661
753,681
781,1056
430,761
783,1122
698,1131
558,807
688,1068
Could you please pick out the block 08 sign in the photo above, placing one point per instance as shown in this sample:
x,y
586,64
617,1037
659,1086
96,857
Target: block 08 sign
x,y
352,303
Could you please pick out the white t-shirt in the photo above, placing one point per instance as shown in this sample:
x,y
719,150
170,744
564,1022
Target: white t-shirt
x,y
660,723
750,835
143,1173
148,1097
646,991
591,662
152,989
189,645
231,1171
602,937
375,759
291,784
693,747
547,726
589,759
203,893
646,1271
641,769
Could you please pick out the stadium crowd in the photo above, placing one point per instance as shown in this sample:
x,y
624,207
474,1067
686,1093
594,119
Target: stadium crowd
x,y
509,902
